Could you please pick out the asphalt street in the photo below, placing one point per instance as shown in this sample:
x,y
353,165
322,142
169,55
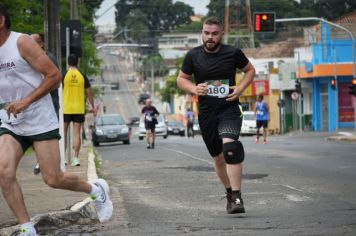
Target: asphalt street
x,y
296,185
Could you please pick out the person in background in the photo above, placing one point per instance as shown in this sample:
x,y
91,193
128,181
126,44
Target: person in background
x,y
261,112
28,118
76,88
150,115
214,66
190,122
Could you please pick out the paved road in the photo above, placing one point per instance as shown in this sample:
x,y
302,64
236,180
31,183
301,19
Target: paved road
x,y
296,185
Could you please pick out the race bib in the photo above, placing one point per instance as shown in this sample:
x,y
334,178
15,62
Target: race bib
x,y
259,112
148,118
218,88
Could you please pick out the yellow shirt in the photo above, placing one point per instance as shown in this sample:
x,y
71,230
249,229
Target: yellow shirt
x,y
74,84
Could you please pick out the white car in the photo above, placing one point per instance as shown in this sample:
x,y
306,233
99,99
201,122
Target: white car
x,y
248,123
161,128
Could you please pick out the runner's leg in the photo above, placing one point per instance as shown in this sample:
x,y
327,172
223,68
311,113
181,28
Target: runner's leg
x,y
77,140
220,170
47,153
10,155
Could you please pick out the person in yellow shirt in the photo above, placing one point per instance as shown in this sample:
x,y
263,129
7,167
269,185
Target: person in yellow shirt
x,y
76,87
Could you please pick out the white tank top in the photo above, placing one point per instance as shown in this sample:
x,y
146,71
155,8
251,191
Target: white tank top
x,y
17,80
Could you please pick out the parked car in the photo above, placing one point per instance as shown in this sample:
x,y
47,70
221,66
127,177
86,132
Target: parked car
x,y
110,128
142,98
161,128
248,123
175,128
115,85
196,127
134,120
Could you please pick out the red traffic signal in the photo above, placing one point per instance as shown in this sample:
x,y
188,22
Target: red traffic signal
x,y
264,22
333,84
353,88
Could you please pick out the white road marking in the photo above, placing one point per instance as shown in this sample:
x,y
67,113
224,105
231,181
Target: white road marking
x,y
188,155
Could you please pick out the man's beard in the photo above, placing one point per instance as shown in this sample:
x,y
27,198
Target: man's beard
x,y
211,49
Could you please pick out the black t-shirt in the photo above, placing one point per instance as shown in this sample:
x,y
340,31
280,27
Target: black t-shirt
x,y
148,113
219,67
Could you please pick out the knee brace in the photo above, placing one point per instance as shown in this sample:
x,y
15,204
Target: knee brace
x,y
233,152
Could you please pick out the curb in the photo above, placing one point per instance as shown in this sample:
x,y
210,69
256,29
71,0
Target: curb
x,y
342,138
80,213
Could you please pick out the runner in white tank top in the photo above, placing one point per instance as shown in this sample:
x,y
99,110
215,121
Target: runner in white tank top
x,y
27,76
18,80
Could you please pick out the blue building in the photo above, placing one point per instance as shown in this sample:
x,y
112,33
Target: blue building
x,y
330,58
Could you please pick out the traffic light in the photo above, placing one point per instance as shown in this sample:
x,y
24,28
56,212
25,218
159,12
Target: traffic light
x,y
75,39
353,87
264,22
333,84
298,86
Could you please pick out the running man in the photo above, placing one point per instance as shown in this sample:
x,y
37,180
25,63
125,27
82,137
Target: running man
x,y
150,115
29,119
76,87
214,66
190,122
261,112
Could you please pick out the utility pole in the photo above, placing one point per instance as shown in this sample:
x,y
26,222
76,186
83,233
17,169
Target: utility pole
x,y
74,13
53,45
227,20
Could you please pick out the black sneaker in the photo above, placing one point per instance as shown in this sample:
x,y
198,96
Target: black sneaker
x,y
148,146
234,204
36,169
153,145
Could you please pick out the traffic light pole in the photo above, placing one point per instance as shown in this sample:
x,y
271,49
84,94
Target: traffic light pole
x,y
337,26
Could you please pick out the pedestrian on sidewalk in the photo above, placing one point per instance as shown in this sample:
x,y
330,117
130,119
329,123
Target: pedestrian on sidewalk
x,y
214,66
76,87
190,122
39,38
27,76
261,113
150,115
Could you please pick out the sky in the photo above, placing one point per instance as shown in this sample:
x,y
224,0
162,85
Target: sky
x,y
108,17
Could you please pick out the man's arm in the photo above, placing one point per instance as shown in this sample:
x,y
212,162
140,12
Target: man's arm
x,y
249,75
185,83
37,58
90,96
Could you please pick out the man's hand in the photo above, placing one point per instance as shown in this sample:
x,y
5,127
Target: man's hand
x,y
235,94
201,89
15,107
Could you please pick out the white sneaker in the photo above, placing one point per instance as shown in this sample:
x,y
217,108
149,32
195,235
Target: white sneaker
x,y
102,202
75,161
28,232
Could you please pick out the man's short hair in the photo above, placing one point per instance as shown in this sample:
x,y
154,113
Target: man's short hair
x,y
72,60
5,13
213,20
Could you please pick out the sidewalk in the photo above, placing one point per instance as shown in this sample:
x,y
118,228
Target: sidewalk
x,y
50,207
343,136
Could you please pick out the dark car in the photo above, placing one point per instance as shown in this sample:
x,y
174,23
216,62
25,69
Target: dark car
x,y
135,120
175,128
115,85
142,98
110,128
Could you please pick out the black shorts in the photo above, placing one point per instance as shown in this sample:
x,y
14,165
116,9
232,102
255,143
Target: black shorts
x,y
150,126
261,123
27,141
218,124
77,118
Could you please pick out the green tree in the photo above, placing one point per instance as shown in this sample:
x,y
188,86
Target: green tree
x,y
170,89
27,17
155,16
